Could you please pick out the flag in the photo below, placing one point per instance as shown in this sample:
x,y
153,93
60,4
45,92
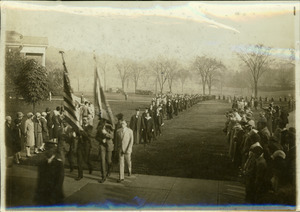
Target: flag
x,y
101,105
69,105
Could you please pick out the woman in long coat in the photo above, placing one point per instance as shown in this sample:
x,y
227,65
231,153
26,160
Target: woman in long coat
x,y
29,133
38,133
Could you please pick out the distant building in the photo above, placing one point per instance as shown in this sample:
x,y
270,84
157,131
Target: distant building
x,y
31,47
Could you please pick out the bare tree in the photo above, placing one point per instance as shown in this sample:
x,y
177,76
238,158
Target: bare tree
x,y
136,70
256,59
183,75
123,68
160,68
171,72
206,68
214,68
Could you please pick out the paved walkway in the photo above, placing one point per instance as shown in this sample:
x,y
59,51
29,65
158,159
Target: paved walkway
x,y
137,191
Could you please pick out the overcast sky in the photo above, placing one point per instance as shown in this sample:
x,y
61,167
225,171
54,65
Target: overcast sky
x,y
141,30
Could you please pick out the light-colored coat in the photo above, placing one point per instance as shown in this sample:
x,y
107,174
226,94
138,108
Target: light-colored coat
x,y
124,140
29,132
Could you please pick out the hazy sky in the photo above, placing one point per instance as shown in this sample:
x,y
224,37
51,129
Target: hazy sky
x,y
141,30
144,30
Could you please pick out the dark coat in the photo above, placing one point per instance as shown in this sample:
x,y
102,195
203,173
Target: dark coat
x,y
17,132
45,131
57,125
136,126
9,139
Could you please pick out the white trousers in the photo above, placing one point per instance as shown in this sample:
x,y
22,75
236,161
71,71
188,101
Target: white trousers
x,y
127,158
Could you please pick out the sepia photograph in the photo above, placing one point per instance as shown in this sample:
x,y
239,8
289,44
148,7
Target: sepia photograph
x,y
149,105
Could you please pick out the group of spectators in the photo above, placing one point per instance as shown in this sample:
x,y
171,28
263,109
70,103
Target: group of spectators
x,y
263,150
32,132
257,103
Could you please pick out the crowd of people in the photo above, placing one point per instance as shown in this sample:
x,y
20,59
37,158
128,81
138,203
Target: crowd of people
x,y
263,150
34,132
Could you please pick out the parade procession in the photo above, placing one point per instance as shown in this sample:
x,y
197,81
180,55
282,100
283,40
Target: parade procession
x,y
149,106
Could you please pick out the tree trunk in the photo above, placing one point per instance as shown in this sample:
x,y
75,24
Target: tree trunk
x,y
33,107
209,89
182,88
255,88
203,88
123,84
135,86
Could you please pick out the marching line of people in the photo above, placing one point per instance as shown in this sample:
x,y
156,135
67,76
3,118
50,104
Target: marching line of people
x,y
264,152
115,144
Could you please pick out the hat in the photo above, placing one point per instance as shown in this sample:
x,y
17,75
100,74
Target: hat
x,y
20,114
44,114
278,153
8,118
48,110
251,123
29,115
38,115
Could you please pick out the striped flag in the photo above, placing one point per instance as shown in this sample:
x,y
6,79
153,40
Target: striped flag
x,y
69,105
100,103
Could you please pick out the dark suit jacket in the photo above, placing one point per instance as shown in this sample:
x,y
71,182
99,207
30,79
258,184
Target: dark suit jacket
x,y
136,123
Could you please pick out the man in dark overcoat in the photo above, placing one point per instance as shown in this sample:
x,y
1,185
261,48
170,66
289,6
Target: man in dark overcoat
x,y
136,126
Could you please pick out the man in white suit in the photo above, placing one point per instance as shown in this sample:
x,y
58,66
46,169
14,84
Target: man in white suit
x,y
124,145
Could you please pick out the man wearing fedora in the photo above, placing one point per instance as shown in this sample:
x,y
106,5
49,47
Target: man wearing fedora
x,y
124,147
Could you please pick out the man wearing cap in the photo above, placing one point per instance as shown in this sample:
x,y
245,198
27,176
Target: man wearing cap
x,y
136,126
29,133
104,136
124,147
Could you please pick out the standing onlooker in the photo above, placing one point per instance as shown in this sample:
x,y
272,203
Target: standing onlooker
x,y
18,135
136,126
124,144
29,133
38,133
45,132
9,139
49,123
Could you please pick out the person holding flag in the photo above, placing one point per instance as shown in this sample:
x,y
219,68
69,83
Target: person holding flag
x,y
105,129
